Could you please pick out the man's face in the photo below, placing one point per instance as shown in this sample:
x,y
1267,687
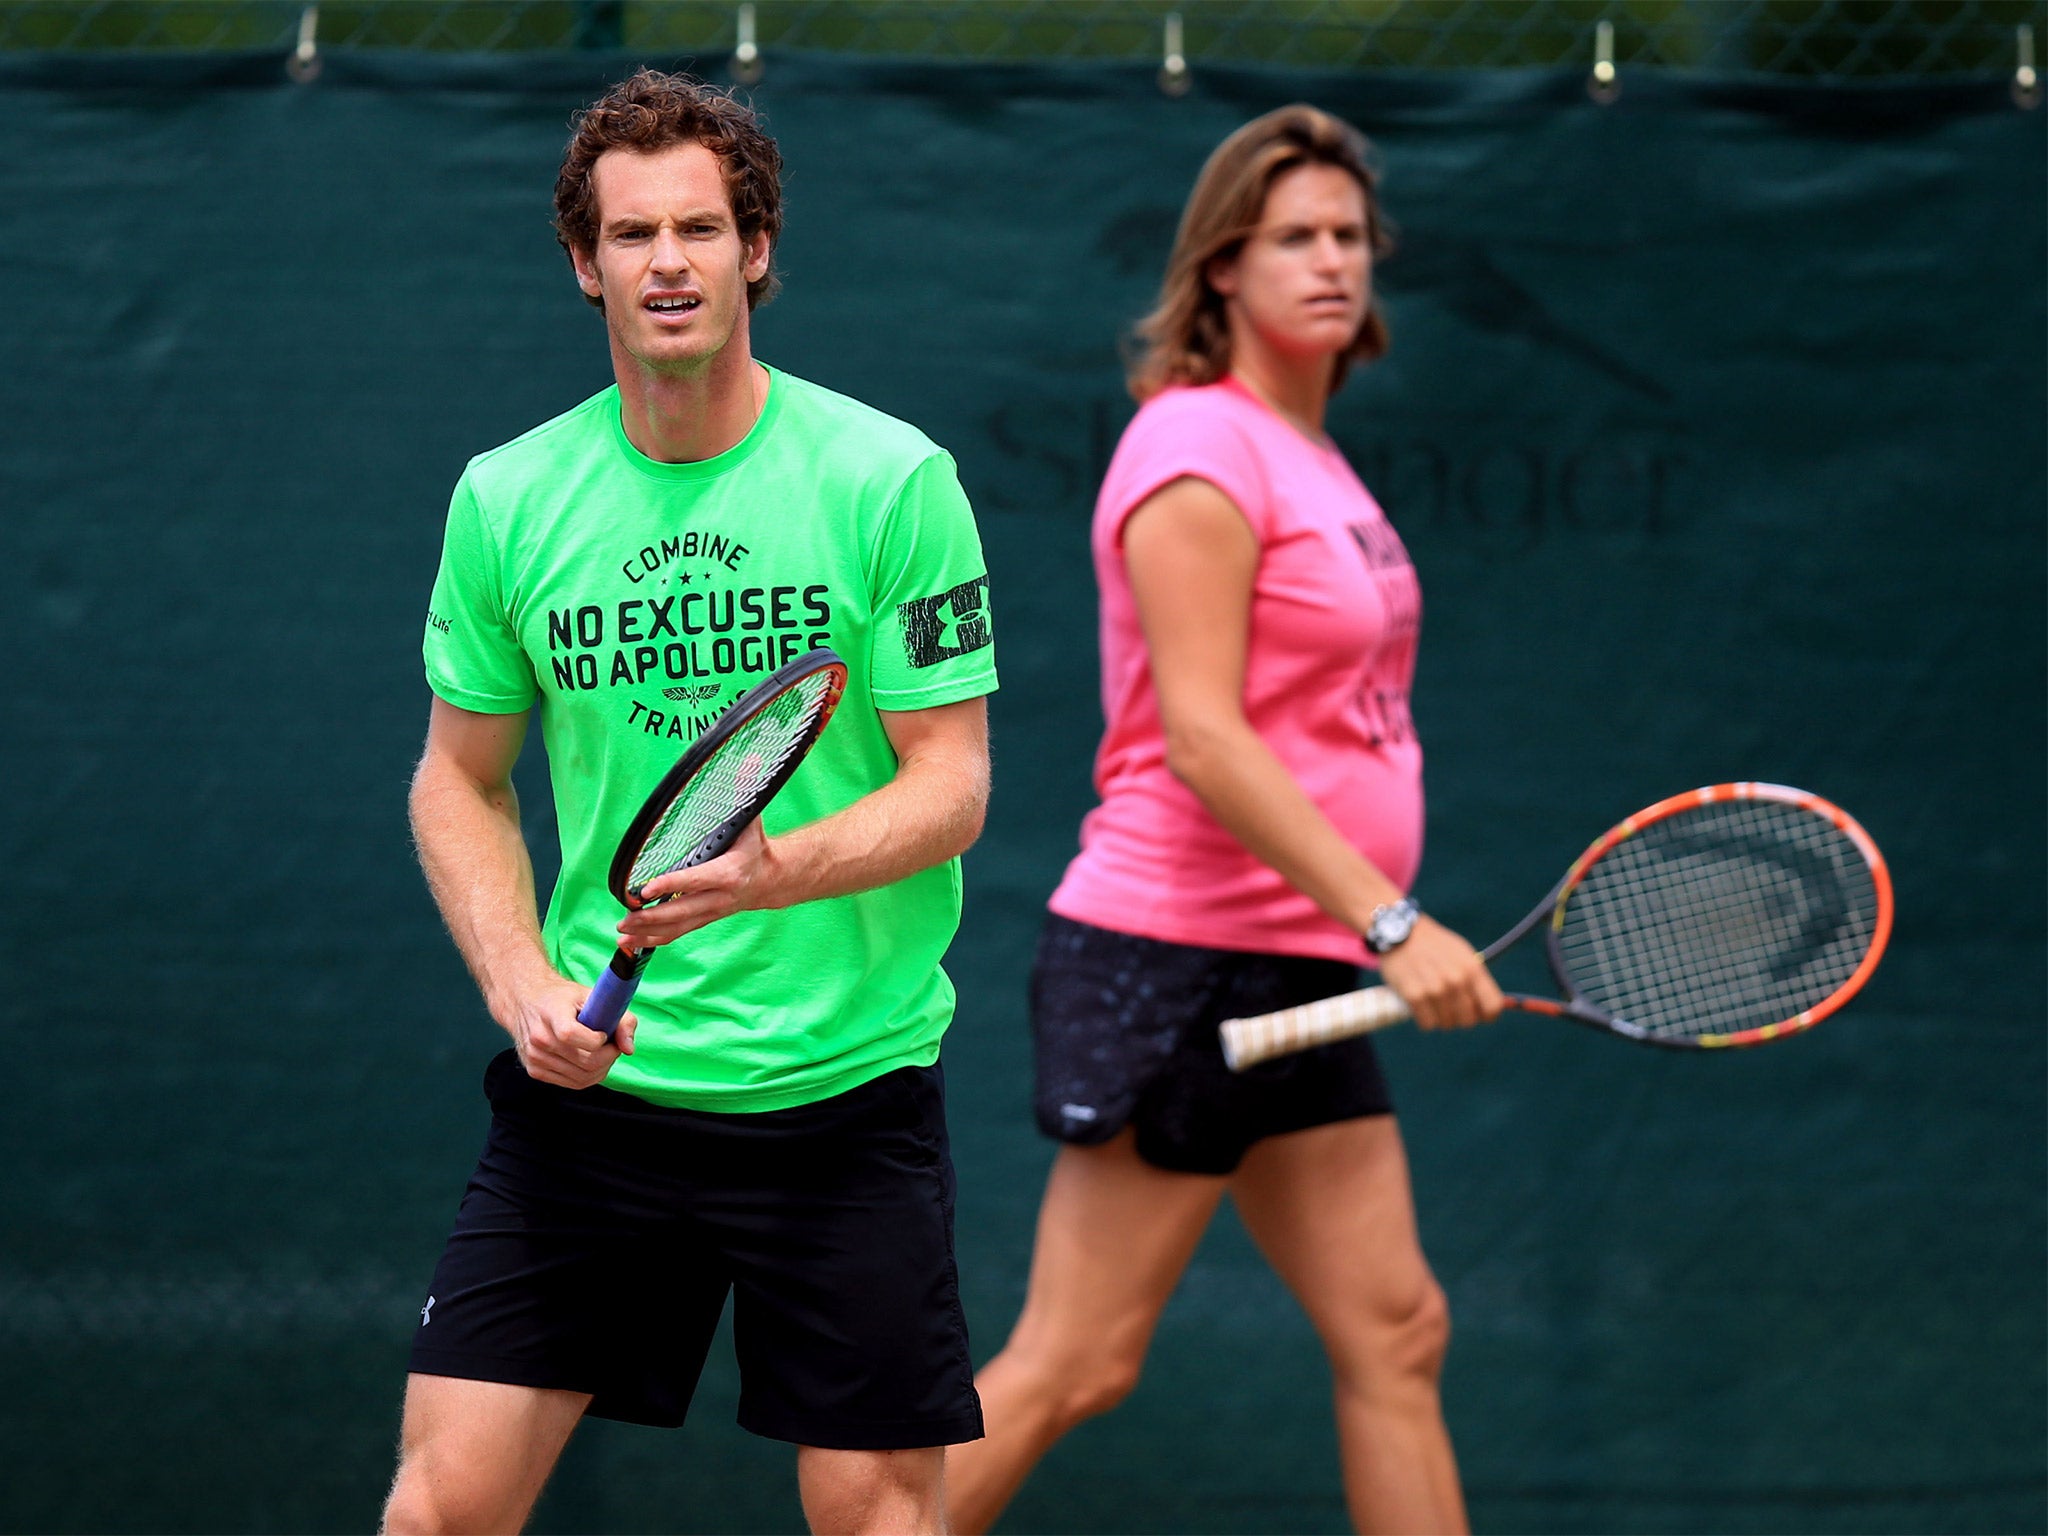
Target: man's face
x,y
669,261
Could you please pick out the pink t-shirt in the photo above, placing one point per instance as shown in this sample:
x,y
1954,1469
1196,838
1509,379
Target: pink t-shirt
x,y
1334,617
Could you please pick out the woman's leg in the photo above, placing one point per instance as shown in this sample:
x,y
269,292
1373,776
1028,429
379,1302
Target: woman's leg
x,y
1114,1234
1332,1211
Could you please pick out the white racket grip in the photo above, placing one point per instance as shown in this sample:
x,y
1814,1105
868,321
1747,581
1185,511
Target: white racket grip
x,y
1247,1042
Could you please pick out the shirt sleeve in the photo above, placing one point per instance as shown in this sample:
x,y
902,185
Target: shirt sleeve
x,y
1184,435
933,640
473,656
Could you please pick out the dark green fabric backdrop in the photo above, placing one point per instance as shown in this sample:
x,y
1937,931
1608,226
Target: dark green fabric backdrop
x,y
1714,421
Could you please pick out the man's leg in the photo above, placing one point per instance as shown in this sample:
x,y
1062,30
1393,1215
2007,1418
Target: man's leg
x,y
836,1222
473,1455
873,1493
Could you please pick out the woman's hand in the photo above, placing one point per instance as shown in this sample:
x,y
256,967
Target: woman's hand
x,y
1441,978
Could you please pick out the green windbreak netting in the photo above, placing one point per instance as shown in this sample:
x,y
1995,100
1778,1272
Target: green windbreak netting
x,y
1713,420
1814,39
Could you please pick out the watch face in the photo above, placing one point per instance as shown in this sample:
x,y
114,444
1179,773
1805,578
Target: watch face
x,y
1390,925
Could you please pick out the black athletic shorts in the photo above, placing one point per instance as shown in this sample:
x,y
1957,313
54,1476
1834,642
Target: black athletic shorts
x,y
600,1234
1125,1034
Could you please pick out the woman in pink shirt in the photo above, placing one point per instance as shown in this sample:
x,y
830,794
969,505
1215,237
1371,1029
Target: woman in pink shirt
x,y
1261,821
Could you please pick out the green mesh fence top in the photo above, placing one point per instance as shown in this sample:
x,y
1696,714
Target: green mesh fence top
x,y
1823,39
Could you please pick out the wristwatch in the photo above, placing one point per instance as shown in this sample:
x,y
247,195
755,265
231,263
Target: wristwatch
x,y
1391,924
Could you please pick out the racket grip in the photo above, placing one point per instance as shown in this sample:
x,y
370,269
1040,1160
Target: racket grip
x,y
607,1002
1247,1042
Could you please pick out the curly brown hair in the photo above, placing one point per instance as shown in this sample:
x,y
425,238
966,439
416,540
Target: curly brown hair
x,y
653,111
1185,339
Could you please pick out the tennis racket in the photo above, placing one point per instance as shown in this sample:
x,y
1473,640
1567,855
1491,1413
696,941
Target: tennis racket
x,y
706,801
1729,915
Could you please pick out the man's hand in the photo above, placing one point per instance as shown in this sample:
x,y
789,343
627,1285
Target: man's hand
x,y
930,811
739,880
1441,978
554,1047
465,819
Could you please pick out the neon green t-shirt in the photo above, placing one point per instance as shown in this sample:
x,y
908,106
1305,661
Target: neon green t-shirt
x,y
635,600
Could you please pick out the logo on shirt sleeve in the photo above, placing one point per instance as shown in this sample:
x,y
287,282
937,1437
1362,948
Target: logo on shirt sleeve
x,y
936,629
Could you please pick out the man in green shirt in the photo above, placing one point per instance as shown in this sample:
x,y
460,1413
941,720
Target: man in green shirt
x,y
769,1121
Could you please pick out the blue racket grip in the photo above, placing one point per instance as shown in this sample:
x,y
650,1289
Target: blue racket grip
x,y
607,1002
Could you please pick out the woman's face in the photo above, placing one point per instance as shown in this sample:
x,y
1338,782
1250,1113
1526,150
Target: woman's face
x,y
1303,279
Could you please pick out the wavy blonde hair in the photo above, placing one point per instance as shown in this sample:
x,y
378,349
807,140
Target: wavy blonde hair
x,y
1185,339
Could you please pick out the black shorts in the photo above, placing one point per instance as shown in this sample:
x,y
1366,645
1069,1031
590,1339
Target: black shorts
x,y
600,1235
1125,1034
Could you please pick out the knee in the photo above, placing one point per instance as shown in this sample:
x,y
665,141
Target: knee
x,y
1076,1383
1400,1344
1099,1386
410,1511
858,1492
420,1505
1423,1334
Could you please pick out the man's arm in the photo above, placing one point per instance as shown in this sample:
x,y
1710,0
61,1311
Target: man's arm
x,y
931,811
465,823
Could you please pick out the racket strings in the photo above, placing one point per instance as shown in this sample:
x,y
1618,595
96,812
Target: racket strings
x,y
733,780
1720,919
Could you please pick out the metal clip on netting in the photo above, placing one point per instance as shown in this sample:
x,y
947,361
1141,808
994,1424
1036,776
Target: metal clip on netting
x,y
303,63
1173,68
1604,84
746,55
